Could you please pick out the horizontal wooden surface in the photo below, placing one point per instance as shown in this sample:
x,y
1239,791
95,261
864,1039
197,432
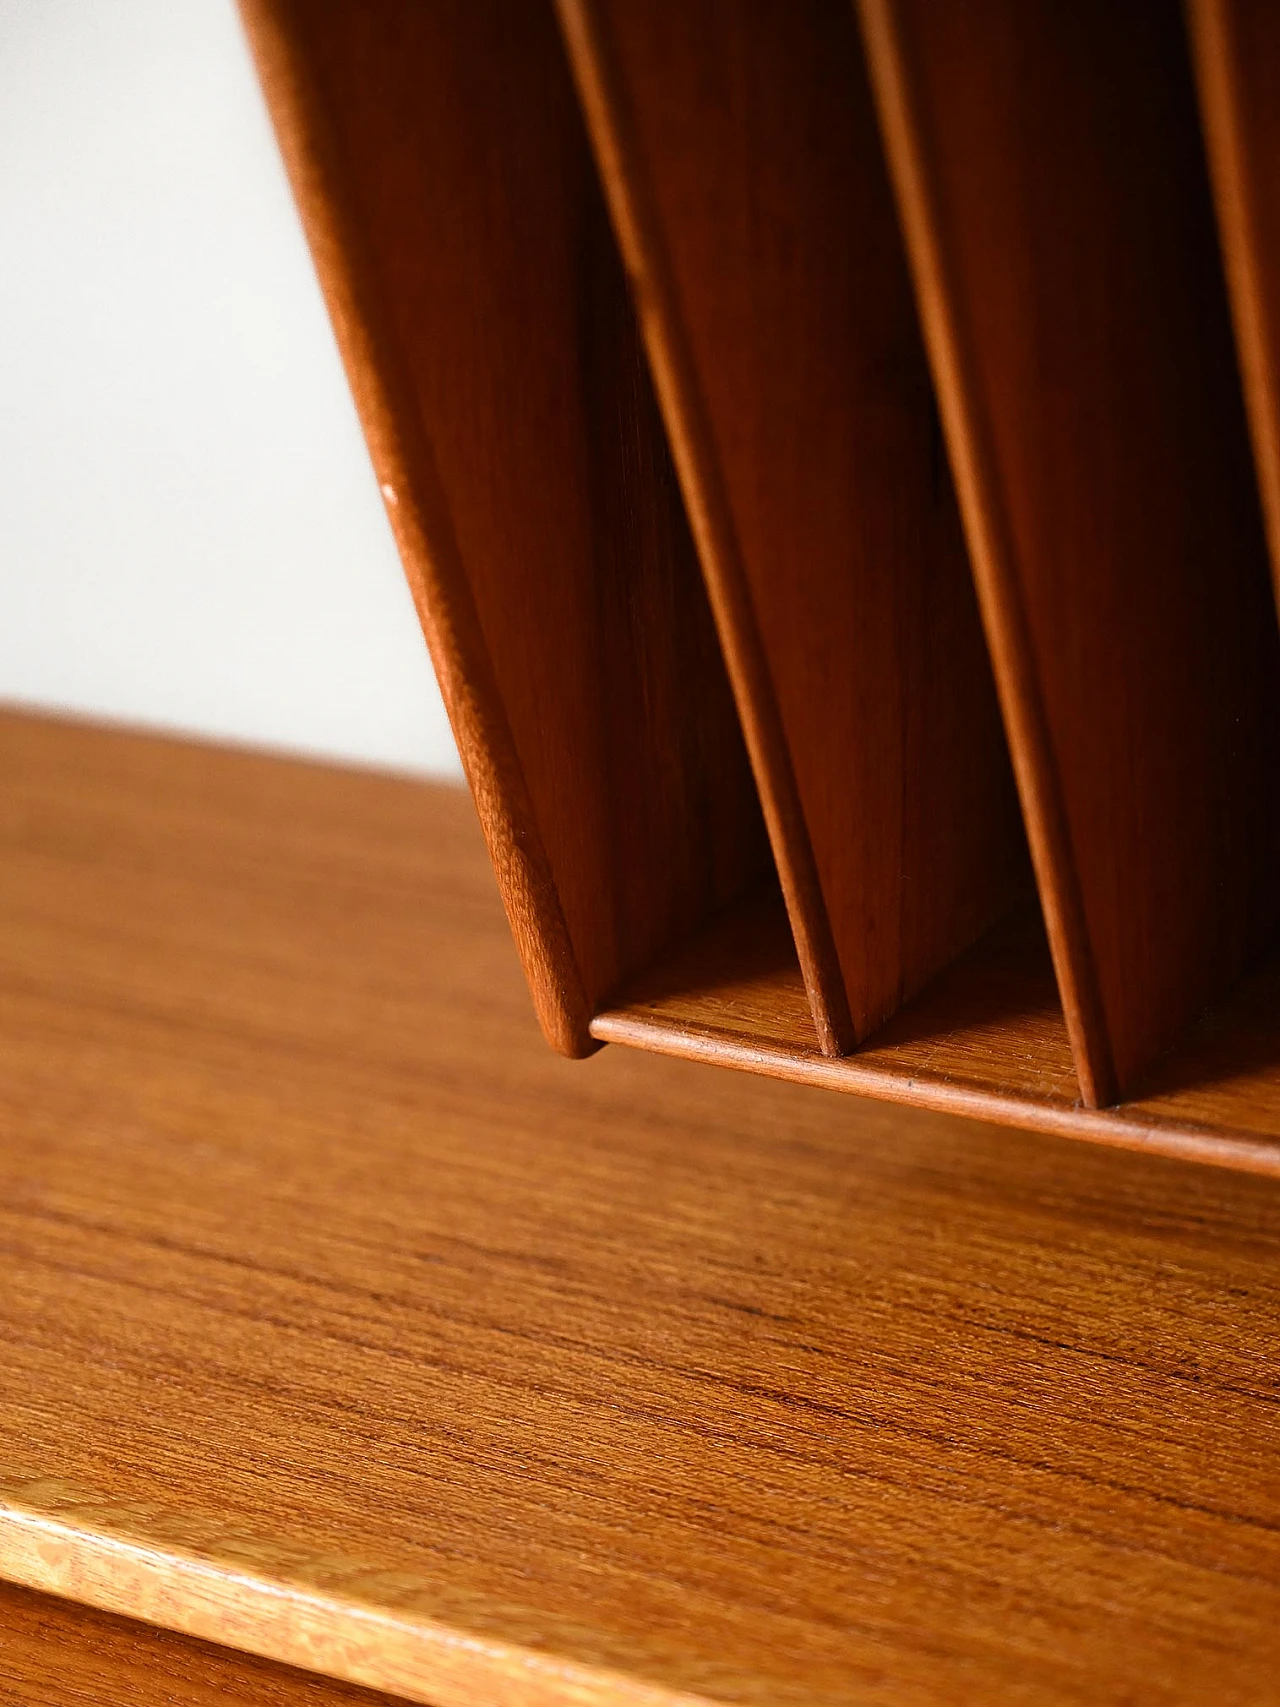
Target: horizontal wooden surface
x,y
986,1039
342,1322
55,1653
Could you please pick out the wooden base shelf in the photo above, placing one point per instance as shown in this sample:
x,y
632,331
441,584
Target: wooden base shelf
x,y
986,1039
345,1325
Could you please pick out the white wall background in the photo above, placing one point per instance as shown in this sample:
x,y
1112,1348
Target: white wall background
x,y
190,532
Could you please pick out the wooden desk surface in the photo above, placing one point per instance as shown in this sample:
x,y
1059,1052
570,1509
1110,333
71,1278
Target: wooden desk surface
x,y
343,1323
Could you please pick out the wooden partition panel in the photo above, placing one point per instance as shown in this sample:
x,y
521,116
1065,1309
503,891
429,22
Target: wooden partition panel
x,y
738,146
442,169
1237,56
1053,192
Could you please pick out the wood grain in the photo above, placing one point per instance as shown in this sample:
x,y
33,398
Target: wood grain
x,y
991,1024
1053,193
56,1654
444,177
343,1322
986,1039
739,150
1236,47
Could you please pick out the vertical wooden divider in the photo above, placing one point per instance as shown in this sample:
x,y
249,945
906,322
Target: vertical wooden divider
x,y
439,161
1236,46
1053,193
738,147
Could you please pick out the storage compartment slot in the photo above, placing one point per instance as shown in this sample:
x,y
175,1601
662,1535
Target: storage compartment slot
x,y
1053,192
440,161
986,1038
987,1035
739,151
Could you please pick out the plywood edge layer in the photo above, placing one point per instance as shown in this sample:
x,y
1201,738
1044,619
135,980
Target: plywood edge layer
x,y
1124,1127
64,1542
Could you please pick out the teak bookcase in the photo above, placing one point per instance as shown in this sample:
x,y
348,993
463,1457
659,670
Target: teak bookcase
x,y
835,468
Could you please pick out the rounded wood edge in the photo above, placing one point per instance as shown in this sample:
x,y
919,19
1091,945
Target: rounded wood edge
x,y
1116,1126
64,1551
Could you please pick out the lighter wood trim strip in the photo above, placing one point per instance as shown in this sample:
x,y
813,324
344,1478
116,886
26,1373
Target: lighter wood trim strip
x,y
1122,1127
423,528
1215,56
991,553
69,1552
638,231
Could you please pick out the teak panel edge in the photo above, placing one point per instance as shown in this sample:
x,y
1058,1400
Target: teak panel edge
x,y
416,509
671,362
440,152
973,460
1120,1127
